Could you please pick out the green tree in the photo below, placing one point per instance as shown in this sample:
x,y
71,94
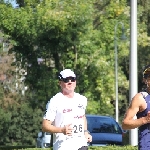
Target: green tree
x,y
19,122
77,35
64,34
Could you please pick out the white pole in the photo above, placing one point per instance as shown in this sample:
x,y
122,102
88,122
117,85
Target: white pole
x,y
133,64
116,70
116,80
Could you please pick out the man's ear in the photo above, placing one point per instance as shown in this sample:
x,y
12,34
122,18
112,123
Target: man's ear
x,y
59,82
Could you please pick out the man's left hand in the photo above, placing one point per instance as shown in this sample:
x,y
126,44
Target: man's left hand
x,y
88,137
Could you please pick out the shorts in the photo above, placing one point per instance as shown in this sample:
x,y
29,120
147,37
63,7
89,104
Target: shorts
x,y
83,148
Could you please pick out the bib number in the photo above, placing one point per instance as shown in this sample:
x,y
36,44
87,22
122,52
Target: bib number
x,y
78,128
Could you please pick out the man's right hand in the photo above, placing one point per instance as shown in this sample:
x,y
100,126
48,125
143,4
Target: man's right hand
x,y
67,129
148,117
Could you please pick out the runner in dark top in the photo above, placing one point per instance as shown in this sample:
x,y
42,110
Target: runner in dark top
x,y
140,106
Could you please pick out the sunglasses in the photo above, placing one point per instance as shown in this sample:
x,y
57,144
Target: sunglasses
x,y
66,80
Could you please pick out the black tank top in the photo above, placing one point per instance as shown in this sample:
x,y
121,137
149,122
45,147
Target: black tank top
x,y
144,130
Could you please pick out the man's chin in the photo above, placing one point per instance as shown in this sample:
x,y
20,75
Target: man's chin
x,y
70,90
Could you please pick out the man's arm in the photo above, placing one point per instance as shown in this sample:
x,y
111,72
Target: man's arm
x,y
48,127
129,122
86,132
85,122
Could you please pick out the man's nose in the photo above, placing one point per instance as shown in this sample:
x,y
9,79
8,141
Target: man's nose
x,y
70,81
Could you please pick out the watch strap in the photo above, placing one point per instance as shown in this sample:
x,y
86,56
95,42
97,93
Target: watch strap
x,y
87,131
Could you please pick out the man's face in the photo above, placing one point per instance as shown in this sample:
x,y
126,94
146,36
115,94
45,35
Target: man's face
x,y
147,81
68,84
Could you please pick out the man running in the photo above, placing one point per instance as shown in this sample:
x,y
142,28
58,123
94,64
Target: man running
x,y
65,116
140,106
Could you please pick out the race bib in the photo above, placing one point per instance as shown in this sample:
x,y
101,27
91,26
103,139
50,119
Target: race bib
x,y
77,134
78,129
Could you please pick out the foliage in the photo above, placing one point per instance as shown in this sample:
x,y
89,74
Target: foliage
x,y
20,122
65,37
1,94
67,34
43,37
90,148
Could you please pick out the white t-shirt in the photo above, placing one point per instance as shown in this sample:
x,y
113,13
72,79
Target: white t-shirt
x,y
62,111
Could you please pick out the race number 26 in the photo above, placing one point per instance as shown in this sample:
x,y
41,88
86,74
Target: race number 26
x,y
78,128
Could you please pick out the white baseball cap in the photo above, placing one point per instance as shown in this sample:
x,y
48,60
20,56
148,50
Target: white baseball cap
x,y
66,73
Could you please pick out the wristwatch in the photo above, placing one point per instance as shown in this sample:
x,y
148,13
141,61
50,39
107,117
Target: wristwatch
x,y
87,131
